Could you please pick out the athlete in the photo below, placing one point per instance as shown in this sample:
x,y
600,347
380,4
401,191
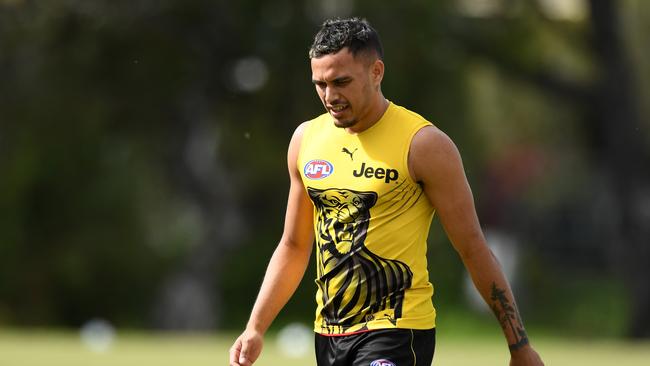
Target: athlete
x,y
366,179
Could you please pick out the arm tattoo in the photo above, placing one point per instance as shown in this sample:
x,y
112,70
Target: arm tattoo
x,y
508,316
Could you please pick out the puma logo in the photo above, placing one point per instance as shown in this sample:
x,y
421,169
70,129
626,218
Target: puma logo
x,y
345,150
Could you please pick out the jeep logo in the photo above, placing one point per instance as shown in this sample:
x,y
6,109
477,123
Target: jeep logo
x,y
387,175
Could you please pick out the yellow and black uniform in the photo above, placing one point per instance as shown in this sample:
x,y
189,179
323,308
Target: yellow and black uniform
x,y
371,222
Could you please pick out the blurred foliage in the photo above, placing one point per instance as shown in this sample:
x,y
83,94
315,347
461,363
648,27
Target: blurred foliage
x,y
142,139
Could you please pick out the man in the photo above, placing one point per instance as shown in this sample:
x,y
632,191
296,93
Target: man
x,y
366,178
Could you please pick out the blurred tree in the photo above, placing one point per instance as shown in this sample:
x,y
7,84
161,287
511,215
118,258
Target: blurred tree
x,y
611,123
142,144
161,91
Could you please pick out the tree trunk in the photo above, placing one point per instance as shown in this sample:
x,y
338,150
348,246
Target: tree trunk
x,y
622,152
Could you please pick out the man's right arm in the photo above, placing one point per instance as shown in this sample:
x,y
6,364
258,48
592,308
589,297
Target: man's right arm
x,y
286,267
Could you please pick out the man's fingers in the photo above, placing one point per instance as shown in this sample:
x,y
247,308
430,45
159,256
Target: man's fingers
x,y
246,349
243,354
235,352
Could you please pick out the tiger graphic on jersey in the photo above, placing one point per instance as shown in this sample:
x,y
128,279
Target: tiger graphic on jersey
x,y
355,283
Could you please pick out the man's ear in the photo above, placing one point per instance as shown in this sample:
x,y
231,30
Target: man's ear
x,y
377,71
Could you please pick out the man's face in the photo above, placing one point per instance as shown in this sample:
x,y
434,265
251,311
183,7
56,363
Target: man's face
x,y
347,86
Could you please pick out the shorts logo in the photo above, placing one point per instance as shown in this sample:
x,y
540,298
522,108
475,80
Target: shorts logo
x,y
318,169
381,362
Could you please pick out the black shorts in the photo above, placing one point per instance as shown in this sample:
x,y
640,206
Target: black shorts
x,y
381,347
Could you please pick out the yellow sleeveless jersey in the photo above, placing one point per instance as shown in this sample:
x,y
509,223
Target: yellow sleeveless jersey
x,y
371,222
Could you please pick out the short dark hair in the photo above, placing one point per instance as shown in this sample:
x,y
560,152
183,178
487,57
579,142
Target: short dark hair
x,y
354,33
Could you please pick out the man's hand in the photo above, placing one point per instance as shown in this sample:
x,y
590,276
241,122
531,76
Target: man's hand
x,y
525,356
247,349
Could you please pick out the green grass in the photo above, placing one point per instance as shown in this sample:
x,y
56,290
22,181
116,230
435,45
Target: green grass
x,y
50,348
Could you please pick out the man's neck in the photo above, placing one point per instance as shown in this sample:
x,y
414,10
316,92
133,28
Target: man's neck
x,y
375,114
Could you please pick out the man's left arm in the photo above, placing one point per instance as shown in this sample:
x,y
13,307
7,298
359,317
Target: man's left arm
x,y
435,163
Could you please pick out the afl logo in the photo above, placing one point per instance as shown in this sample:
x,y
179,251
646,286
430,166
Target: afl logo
x,y
381,362
318,169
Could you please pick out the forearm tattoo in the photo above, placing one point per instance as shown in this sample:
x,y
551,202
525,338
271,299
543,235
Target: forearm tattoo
x,y
508,316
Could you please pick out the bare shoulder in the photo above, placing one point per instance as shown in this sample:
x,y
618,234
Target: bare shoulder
x,y
294,145
296,139
301,127
299,131
431,151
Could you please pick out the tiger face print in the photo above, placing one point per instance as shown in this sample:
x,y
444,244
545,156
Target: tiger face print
x,y
355,283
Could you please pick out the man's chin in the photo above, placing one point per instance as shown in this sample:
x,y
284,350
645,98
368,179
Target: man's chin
x,y
344,123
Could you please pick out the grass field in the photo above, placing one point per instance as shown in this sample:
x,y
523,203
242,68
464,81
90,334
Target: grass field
x,y
48,348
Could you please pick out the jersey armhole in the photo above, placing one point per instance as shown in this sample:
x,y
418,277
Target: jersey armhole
x,y
305,135
408,150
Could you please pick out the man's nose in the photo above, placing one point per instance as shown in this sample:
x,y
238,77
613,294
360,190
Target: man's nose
x,y
331,95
